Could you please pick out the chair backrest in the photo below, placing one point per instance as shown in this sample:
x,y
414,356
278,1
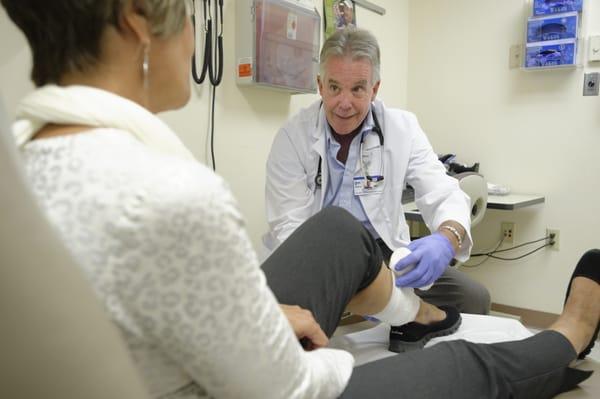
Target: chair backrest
x,y
56,341
475,186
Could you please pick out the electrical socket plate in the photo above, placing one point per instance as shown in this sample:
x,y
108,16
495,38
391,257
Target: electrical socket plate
x,y
507,231
556,233
591,84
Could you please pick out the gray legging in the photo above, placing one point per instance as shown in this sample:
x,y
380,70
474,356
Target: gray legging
x,y
331,257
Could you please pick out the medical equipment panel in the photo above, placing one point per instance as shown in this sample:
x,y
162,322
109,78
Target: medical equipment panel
x,y
277,45
553,27
551,54
545,7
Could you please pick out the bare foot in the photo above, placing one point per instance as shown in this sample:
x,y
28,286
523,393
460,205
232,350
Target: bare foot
x,y
581,313
429,313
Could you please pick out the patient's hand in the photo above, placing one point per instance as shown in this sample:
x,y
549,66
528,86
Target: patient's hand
x,y
305,327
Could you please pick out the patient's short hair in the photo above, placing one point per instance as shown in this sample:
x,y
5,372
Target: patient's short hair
x,y
65,35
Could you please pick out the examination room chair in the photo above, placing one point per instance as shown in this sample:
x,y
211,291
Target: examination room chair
x,y
475,186
55,339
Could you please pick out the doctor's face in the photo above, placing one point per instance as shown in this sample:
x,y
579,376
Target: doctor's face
x,y
347,91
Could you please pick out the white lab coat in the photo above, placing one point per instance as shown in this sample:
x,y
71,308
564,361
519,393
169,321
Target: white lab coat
x,y
292,195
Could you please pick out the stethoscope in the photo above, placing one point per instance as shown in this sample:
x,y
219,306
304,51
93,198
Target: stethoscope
x,y
369,178
213,63
212,59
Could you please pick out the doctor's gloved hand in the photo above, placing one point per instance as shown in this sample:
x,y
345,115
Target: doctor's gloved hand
x,y
430,256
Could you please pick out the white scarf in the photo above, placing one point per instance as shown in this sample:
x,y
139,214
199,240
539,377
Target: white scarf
x,y
85,105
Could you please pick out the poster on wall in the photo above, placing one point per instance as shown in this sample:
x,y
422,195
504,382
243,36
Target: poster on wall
x,y
338,15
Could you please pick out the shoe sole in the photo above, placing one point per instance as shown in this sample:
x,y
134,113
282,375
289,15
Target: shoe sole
x,y
403,346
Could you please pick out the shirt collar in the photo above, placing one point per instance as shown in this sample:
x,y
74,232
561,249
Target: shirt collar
x,y
367,126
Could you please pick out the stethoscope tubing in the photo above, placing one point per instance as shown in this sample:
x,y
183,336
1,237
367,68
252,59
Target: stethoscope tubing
x,y
212,60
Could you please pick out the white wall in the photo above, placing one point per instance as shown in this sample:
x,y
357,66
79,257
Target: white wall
x,y
533,131
246,118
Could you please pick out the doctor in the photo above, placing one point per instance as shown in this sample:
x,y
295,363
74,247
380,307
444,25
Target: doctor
x,y
350,150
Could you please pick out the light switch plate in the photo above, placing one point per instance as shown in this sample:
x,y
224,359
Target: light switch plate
x,y
591,84
515,56
594,51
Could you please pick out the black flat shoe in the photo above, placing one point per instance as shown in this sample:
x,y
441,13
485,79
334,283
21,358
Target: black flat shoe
x,y
413,335
589,267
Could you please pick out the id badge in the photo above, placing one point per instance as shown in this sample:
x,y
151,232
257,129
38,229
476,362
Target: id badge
x,y
372,162
362,186
371,180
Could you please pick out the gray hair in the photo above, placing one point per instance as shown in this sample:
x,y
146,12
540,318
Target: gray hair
x,y
353,42
65,35
167,17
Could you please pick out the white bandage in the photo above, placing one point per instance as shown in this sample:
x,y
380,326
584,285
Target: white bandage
x,y
396,257
402,307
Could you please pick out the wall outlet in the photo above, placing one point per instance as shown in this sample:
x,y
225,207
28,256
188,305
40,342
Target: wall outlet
x,y
507,231
591,84
556,238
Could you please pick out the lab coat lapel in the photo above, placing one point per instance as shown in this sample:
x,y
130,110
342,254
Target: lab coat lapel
x,y
374,205
319,148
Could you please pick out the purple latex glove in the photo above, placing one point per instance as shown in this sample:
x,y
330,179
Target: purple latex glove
x,y
430,255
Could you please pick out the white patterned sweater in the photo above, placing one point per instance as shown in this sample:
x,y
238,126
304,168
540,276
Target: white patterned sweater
x,y
163,244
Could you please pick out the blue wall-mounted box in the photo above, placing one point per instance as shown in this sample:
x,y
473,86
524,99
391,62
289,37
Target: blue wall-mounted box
x,y
545,7
551,54
540,29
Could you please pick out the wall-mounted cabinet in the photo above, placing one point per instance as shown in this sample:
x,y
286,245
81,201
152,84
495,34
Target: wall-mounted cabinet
x,y
277,45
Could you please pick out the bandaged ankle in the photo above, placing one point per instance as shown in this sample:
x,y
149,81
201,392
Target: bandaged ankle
x,y
402,307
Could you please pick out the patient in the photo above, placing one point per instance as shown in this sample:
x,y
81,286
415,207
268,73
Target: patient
x,y
161,240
